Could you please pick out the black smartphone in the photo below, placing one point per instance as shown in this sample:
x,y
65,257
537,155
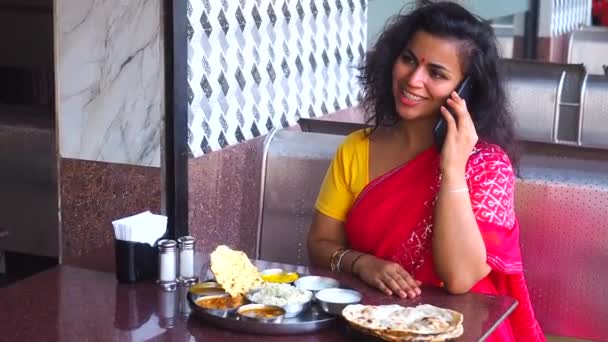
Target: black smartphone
x,y
464,90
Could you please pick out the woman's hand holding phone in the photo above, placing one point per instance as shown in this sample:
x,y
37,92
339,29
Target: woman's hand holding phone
x,y
461,136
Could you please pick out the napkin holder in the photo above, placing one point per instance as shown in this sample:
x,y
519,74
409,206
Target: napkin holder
x,y
135,261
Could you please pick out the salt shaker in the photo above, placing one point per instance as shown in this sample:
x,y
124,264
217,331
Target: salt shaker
x,y
166,264
186,260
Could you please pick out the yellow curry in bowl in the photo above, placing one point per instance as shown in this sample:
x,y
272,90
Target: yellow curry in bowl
x,y
280,277
263,312
221,302
208,288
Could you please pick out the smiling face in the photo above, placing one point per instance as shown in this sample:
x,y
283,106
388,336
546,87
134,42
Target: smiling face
x,y
424,75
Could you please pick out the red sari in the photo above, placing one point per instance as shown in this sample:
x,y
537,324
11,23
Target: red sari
x,y
393,219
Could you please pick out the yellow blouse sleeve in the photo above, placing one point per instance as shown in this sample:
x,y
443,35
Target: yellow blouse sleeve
x,y
345,178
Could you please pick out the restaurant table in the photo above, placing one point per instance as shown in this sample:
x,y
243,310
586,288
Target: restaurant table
x,y
72,303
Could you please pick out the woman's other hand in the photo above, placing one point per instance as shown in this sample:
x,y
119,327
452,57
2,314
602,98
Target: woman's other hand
x,y
461,136
388,277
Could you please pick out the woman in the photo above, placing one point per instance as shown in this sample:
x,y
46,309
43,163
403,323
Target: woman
x,y
396,211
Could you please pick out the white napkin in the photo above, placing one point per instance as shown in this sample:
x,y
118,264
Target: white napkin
x,y
144,227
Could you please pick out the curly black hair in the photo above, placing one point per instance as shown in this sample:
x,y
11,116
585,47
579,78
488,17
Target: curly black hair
x,y
479,53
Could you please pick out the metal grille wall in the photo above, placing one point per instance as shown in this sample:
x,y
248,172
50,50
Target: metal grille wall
x,y
258,64
557,17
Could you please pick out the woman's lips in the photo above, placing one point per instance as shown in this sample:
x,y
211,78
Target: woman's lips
x,y
408,99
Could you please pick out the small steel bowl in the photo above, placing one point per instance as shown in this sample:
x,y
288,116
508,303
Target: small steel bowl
x,y
333,301
261,313
208,303
208,288
291,310
315,284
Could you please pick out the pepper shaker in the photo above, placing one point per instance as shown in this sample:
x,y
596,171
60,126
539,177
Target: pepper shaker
x,y
167,264
186,260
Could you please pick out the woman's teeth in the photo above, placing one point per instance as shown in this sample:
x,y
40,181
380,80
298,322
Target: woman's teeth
x,y
411,96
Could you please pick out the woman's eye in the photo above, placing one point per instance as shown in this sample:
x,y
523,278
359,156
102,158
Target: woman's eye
x,y
438,75
407,58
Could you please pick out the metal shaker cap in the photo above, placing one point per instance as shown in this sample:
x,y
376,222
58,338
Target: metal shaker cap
x,y
167,245
186,242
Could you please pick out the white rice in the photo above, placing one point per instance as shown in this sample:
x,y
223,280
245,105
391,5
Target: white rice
x,y
280,295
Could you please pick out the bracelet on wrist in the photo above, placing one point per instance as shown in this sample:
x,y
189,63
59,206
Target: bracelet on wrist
x,y
342,255
334,258
352,264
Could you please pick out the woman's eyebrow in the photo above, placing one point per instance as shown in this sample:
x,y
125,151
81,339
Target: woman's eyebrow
x,y
435,66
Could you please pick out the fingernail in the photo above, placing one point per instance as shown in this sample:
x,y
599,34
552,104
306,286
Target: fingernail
x,y
412,294
418,291
402,294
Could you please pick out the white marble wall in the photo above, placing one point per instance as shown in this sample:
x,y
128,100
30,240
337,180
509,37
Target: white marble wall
x,y
109,80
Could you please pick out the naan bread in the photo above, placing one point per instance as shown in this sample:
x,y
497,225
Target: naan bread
x,y
397,323
370,316
425,319
234,271
389,336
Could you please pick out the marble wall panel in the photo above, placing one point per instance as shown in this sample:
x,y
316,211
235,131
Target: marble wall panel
x,y
109,71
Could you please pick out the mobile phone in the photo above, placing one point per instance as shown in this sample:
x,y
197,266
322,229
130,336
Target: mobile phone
x,y
464,90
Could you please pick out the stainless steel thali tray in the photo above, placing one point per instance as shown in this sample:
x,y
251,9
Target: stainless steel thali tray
x,y
310,320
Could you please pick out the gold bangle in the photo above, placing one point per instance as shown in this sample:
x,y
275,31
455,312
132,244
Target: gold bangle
x,y
339,266
333,258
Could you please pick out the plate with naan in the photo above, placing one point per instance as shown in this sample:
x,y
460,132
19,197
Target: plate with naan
x,y
398,323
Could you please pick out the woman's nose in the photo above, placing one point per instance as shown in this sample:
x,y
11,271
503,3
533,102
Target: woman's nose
x,y
417,77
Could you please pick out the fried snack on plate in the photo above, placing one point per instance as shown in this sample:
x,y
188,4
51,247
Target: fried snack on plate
x,y
234,271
